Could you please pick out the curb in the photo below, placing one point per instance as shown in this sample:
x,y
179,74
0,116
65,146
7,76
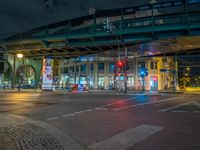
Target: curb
x,y
172,92
66,141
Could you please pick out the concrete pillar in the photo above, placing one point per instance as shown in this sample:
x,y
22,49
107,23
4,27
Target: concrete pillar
x,y
106,75
96,75
136,74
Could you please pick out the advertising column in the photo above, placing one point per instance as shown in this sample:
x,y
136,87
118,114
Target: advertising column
x,y
47,72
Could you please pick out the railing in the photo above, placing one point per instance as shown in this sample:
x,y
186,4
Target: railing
x,y
136,23
147,23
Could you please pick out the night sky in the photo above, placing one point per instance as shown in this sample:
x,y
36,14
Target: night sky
x,y
189,61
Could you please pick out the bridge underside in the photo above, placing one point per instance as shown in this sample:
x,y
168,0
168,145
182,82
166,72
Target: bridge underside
x,y
171,45
162,29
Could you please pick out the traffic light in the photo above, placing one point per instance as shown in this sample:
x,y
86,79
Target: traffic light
x,y
120,64
143,72
105,23
126,64
47,4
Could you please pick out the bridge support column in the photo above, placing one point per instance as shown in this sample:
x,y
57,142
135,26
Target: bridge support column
x,y
15,64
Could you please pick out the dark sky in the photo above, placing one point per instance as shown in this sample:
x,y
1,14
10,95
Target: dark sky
x,y
189,61
20,15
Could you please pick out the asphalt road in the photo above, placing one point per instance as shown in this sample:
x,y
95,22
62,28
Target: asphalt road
x,y
120,122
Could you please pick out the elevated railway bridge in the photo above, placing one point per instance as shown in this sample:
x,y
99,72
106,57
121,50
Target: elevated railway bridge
x,y
102,31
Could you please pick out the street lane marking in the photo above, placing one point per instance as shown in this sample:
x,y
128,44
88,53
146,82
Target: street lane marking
x,y
174,107
79,112
98,108
88,110
130,98
179,111
52,118
121,101
127,138
68,115
126,107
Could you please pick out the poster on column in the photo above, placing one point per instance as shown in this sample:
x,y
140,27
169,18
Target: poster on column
x,y
47,72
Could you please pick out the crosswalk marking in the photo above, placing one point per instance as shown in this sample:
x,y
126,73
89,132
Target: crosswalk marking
x,y
126,139
52,118
176,106
68,115
147,103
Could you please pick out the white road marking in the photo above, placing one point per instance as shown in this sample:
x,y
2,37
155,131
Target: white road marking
x,y
127,138
122,101
68,115
179,111
88,110
79,112
126,107
98,108
130,98
52,118
176,106
105,105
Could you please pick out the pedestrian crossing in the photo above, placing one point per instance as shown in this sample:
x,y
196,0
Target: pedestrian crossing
x,y
126,139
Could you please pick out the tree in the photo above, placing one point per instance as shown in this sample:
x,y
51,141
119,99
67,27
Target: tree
x,y
184,81
6,75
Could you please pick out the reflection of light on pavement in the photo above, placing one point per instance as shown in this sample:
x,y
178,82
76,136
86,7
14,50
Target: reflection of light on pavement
x,y
19,97
192,89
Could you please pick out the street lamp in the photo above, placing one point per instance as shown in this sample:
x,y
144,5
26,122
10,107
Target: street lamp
x,y
188,69
20,56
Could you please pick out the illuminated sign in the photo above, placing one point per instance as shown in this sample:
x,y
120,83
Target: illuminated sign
x,y
47,72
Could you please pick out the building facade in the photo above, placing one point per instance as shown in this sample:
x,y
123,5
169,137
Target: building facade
x,y
99,73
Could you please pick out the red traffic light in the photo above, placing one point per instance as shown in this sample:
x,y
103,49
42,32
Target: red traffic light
x,y
119,63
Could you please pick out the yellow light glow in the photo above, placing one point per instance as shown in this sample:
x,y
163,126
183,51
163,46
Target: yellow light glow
x,y
20,55
192,89
188,68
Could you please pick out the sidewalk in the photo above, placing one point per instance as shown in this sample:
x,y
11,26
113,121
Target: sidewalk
x,y
107,92
21,90
21,133
148,93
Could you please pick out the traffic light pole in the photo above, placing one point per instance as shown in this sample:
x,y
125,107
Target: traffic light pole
x,y
126,69
143,84
125,84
